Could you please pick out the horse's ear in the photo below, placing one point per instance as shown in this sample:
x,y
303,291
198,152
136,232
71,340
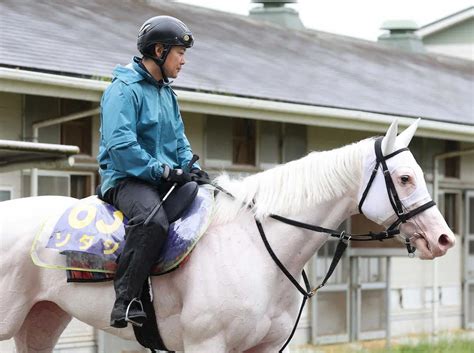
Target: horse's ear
x,y
405,137
388,142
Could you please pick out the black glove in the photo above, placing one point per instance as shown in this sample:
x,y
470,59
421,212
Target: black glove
x,y
177,176
202,176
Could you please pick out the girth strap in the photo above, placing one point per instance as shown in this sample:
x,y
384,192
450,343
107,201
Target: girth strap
x,y
148,335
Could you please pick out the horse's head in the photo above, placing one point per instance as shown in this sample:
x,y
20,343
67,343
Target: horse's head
x,y
398,196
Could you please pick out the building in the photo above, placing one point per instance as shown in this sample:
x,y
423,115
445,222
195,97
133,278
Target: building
x,y
452,35
263,94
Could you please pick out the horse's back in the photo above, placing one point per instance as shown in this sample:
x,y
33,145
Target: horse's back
x,y
21,219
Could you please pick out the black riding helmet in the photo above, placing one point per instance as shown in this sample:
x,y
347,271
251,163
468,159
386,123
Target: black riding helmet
x,y
166,30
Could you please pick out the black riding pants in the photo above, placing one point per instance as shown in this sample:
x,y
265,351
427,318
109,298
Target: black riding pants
x,y
143,242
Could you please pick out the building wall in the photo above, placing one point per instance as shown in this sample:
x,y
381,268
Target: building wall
x,y
457,40
323,138
411,294
10,116
194,129
11,129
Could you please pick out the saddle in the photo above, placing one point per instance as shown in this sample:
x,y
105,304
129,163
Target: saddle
x,y
179,201
87,238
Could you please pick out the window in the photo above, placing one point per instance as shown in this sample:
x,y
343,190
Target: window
x,y
449,204
252,143
452,166
76,132
244,141
294,142
53,184
78,185
218,142
5,195
281,143
270,144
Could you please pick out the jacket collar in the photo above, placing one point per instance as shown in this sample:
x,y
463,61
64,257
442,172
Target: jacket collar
x,y
135,72
141,69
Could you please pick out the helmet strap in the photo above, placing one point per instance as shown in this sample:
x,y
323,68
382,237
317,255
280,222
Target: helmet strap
x,y
161,61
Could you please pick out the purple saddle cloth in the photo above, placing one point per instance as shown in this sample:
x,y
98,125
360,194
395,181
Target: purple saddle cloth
x,y
91,234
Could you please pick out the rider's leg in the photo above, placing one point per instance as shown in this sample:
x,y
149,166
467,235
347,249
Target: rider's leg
x,y
143,243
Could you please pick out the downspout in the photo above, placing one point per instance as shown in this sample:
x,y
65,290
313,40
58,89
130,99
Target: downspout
x,y
49,122
434,286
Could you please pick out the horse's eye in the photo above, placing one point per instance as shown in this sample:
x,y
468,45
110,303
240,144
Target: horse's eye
x,y
405,179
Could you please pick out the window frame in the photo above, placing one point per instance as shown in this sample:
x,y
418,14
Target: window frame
x,y
60,173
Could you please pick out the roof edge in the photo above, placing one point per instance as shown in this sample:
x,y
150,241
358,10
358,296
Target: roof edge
x,y
311,115
27,82
445,22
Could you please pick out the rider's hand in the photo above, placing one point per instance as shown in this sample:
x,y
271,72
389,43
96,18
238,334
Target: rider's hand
x,y
202,176
177,176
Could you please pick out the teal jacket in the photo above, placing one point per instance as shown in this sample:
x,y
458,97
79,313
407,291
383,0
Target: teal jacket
x,y
141,128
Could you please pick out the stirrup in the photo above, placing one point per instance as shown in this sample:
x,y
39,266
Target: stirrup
x,y
127,319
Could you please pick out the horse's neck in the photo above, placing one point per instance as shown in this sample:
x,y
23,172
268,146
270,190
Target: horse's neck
x,y
295,246
334,179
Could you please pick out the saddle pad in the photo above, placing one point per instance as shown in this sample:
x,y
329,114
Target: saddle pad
x,y
91,236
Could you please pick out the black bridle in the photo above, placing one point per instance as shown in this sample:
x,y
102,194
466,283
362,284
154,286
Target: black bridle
x,y
400,211
392,231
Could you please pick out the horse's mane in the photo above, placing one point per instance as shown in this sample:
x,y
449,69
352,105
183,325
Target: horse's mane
x,y
292,187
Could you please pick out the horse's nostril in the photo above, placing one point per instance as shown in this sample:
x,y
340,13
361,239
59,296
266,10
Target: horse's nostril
x,y
445,241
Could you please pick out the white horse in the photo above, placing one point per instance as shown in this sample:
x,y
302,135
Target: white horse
x,y
230,296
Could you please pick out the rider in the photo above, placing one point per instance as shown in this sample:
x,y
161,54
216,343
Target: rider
x,y
143,149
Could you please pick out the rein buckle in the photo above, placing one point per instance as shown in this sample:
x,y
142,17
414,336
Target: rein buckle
x,y
344,237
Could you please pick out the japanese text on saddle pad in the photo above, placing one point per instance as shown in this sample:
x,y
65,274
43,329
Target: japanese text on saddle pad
x,y
90,226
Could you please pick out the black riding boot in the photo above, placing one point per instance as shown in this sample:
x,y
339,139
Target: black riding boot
x,y
142,248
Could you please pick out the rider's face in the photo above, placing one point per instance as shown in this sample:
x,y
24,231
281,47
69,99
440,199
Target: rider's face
x,y
175,61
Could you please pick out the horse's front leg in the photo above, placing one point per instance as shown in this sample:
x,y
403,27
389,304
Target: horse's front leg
x,y
216,344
